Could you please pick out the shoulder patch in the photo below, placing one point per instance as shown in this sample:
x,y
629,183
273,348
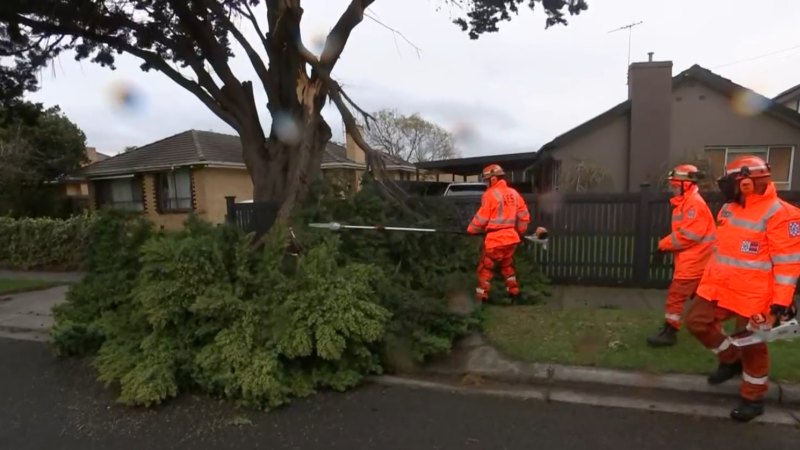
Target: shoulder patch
x,y
691,213
794,228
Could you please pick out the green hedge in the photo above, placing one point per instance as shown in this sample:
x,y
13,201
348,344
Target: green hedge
x,y
43,243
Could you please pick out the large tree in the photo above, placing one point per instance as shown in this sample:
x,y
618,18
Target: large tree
x,y
37,146
411,138
190,41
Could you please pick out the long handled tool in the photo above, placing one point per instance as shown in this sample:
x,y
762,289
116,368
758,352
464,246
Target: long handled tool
x,y
336,226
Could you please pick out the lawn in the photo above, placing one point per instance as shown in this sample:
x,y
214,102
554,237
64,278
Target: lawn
x,y
9,286
610,338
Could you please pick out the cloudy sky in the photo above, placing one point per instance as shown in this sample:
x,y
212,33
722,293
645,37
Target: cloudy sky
x,y
506,92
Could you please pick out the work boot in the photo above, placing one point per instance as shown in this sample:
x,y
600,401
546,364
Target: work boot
x,y
725,372
747,410
666,337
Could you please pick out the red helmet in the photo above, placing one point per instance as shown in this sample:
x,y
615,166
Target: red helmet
x,y
492,170
748,167
685,172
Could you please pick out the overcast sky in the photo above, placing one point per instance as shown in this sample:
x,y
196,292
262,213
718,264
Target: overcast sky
x,y
506,92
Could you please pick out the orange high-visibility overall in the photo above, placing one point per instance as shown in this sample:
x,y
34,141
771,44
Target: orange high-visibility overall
x,y
504,216
693,233
755,263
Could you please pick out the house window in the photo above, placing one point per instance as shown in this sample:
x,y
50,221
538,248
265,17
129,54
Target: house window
x,y
779,157
175,190
121,193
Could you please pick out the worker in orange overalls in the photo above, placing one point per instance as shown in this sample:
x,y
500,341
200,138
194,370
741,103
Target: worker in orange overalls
x,y
691,240
751,277
503,216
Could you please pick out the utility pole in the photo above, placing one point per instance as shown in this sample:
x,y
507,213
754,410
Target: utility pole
x,y
628,27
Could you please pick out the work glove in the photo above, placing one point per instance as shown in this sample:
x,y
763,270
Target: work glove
x,y
782,313
759,322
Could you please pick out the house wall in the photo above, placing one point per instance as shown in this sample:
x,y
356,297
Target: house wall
x,y
212,185
702,118
604,147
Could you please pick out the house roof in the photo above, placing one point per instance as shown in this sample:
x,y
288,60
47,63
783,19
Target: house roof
x,y
788,94
190,148
186,148
712,80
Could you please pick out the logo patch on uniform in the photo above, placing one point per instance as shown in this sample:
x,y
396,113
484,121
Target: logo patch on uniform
x,y
749,247
726,213
794,229
691,213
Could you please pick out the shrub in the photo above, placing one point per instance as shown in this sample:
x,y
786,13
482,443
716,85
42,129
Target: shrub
x,y
43,243
112,261
205,310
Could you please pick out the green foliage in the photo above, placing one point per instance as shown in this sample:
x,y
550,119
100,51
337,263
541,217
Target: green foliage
x,y
44,243
37,146
112,262
201,309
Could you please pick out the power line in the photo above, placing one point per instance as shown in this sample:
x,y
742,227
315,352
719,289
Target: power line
x,y
757,57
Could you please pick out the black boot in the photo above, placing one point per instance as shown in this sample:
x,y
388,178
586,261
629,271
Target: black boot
x,y
725,372
747,410
666,337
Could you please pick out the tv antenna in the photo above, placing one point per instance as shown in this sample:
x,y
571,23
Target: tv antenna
x,y
628,27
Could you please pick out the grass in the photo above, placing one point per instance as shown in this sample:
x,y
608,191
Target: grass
x,y
610,338
13,286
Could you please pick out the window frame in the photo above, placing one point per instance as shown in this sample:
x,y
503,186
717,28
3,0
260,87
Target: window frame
x,y
106,198
162,186
756,149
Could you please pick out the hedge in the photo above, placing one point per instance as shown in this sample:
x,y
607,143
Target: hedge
x,y
44,243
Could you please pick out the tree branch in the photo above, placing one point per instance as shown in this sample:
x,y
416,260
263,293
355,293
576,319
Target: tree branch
x,y
204,36
337,39
375,159
150,58
255,58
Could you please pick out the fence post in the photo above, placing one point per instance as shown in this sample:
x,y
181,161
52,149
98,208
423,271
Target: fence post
x,y
641,243
230,202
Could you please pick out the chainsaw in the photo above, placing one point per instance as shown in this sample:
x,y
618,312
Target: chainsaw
x,y
785,331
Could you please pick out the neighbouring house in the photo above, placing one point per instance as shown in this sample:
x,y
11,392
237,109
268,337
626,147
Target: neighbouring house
x,y
695,116
346,164
78,187
790,98
192,173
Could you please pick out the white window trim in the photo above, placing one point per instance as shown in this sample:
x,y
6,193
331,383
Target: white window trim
x,y
760,149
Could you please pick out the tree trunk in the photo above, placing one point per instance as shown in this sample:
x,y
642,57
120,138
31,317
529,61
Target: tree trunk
x,y
281,171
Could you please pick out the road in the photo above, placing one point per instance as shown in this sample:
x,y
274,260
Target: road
x,y
51,404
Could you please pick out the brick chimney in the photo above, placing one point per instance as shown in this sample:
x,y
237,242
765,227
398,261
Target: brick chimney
x,y
91,155
650,93
352,150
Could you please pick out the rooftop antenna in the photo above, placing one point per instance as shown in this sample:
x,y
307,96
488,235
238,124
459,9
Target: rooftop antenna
x,y
628,27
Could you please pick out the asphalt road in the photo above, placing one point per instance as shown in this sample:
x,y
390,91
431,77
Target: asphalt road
x,y
51,404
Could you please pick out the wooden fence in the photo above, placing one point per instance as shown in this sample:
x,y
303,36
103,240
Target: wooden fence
x,y
595,239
